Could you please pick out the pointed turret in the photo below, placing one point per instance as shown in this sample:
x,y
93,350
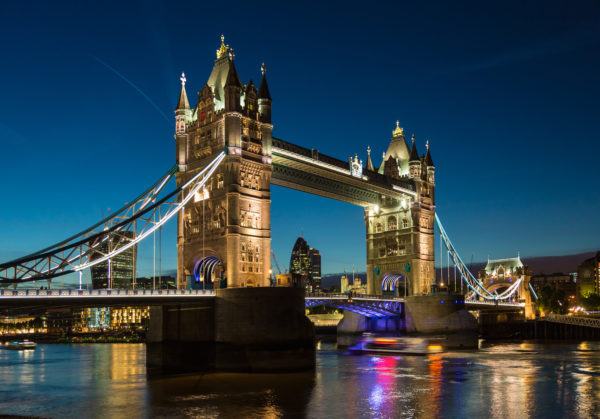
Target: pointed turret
x,y
232,76
428,159
183,103
430,166
182,116
233,87
414,155
264,97
263,92
182,111
414,162
369,162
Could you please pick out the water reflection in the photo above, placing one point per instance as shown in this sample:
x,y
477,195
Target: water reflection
x,y
501,380
232,394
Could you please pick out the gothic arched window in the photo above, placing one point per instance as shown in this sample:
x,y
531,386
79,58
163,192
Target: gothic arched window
x,y
392,223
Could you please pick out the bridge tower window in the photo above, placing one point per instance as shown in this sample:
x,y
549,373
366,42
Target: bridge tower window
x,y
392,223
378,228
405,223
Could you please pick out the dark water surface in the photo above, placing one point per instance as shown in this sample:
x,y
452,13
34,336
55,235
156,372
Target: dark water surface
x,y
508,380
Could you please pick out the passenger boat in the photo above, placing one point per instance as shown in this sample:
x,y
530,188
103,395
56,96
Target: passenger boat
x,y
19,346
399,345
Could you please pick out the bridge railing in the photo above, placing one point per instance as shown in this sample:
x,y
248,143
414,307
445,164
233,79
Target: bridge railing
x,y
574,320
340,296
496,303
102,293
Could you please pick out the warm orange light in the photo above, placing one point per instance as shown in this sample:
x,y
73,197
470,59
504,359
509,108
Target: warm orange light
x,y
434,347
385,340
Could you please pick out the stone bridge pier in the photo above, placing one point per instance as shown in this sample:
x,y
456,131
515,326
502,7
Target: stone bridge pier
x,y
241,329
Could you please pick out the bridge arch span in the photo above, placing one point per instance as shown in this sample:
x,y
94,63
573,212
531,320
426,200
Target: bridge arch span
x,y
207,270
391,281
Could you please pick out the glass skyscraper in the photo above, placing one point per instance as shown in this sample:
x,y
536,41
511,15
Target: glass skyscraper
x,y
305,265
118,272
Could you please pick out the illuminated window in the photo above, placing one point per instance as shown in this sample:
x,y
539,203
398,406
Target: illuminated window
x,y
392,223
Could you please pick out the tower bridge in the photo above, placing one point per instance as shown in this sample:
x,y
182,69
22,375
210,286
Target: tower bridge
x,y
226,159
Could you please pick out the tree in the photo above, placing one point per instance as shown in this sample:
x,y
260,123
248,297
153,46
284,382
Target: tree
x,y
552,301
591,302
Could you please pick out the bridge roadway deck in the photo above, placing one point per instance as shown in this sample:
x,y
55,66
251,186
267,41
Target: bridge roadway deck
x,y
73,297
23,299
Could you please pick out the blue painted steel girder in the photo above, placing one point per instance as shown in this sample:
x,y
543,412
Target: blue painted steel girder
x,y
371,310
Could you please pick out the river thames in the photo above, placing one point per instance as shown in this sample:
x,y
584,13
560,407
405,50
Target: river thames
x,y
503,380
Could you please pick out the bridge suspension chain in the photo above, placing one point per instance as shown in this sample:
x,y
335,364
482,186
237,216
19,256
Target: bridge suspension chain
x,y
111,236
473,284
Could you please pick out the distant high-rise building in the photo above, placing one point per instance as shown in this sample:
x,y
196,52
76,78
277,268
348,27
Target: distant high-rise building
x,y
117,272
315,267
588,276
305,265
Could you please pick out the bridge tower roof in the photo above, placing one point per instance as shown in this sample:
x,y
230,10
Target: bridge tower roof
x,y
508,264
398,150
219,74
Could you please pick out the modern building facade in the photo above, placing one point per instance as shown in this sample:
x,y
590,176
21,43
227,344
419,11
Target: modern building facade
x,y
556,281
305,265
588,276
117,272
315,264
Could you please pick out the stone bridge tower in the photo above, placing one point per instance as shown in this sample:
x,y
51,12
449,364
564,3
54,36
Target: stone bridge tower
x,y
400,241
225,231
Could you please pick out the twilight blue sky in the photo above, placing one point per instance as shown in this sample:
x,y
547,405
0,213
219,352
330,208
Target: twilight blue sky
x,y
506,92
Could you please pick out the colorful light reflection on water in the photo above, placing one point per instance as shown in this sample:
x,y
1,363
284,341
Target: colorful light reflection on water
x,y
505,380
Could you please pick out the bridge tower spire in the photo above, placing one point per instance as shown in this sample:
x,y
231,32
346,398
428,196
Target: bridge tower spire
x,y
264,97
227,229
182,117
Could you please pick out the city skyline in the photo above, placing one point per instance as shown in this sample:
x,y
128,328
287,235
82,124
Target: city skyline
x,y
514,160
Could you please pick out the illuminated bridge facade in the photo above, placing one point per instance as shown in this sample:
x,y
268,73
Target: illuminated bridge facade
x,y
226,161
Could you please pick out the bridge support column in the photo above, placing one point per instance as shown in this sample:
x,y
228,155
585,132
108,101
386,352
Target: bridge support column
x,y
442,314
354,323
241,329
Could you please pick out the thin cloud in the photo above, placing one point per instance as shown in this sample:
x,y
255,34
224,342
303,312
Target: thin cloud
x,y
568,41
132,84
